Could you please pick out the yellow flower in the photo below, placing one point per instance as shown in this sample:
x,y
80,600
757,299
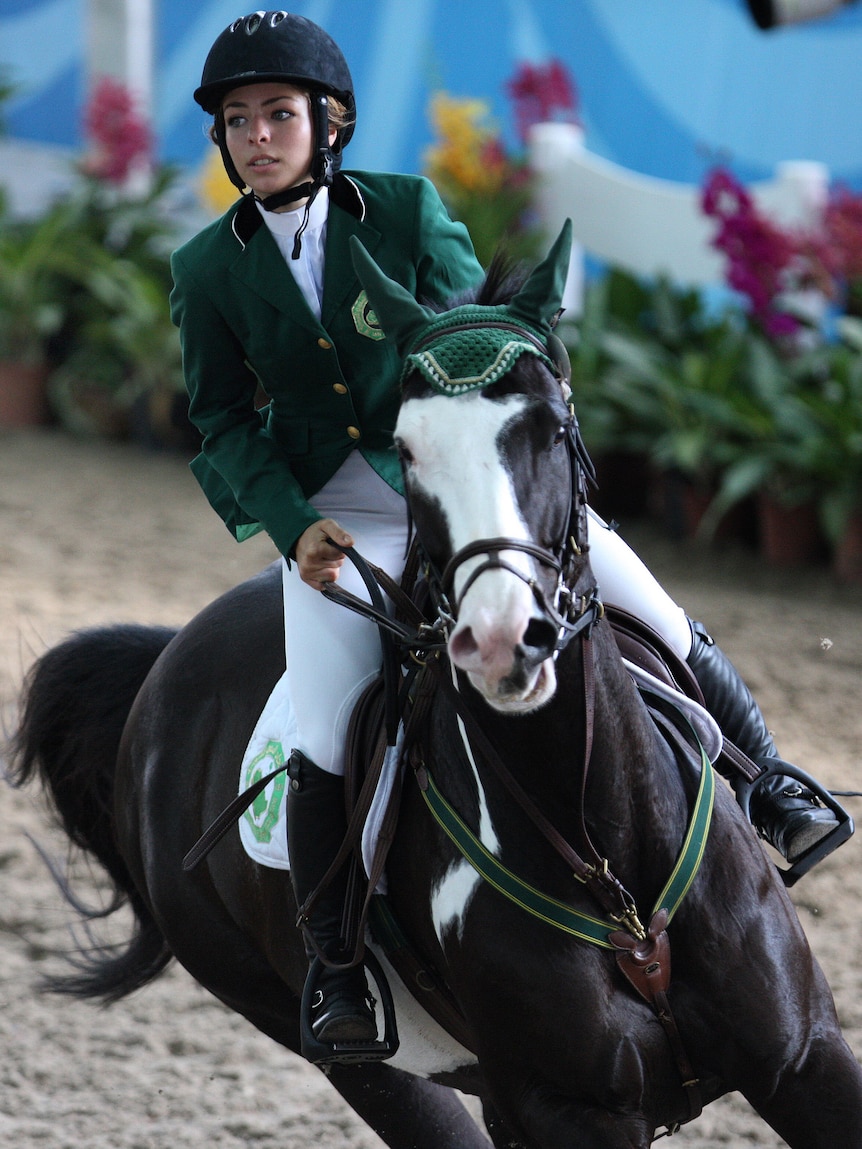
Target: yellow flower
x,y
216,191
459,163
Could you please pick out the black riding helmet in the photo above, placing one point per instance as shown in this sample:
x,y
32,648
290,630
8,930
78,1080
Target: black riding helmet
x,y
280,46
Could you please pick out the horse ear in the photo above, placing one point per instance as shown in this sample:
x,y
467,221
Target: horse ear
x,y
398,313
541,297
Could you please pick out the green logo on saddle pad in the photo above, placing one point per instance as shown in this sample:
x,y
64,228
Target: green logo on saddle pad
x,y
364,319
263,813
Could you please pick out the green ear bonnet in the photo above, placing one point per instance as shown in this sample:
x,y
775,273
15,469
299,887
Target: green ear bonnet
x,y
472,347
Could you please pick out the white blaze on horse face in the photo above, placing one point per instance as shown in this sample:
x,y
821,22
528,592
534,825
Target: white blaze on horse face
x,y
455,461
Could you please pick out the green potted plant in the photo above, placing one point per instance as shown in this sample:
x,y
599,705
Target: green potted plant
x,y
774,456
124,370
666,386
33,254
833,400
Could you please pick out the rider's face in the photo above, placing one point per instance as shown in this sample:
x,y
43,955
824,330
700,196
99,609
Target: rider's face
x,y
270,136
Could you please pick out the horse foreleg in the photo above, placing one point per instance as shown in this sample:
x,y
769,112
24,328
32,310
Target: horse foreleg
x,y
560,1123
817,1103
407,1112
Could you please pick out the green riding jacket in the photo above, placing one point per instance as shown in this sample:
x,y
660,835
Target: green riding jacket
x,y
332,384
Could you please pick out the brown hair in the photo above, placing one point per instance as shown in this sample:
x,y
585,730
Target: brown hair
x,y
339,117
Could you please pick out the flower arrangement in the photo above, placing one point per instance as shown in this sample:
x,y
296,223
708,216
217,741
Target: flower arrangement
x,y
483,184
84,286
485,188
761,257
788,426
120,138
768,263
542,93
216,191
841,245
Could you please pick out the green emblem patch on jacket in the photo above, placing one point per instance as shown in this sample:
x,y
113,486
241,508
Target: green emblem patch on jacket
x,y
364,319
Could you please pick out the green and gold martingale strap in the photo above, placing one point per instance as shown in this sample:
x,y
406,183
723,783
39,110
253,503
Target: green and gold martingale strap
x,y
472,347
587,927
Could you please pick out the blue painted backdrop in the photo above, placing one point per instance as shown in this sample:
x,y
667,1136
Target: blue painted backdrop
x,y
665,85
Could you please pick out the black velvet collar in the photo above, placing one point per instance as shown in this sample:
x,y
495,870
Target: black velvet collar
x,y
344,194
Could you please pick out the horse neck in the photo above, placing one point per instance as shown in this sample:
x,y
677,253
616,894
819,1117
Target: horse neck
x,y
629,765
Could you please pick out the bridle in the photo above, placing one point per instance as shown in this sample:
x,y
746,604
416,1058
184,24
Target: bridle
x,y
570,613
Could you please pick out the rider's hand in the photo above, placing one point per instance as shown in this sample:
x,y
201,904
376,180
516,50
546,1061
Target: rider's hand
x,y
319,562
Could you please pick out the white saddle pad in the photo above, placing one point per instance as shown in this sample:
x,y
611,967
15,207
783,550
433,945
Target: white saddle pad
x,y
263,826
705,726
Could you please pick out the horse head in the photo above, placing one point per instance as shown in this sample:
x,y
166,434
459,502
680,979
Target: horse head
x,y
493,471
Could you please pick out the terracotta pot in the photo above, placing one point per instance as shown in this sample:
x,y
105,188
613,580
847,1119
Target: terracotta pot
x,y
23,394
847,560
789,536
680,506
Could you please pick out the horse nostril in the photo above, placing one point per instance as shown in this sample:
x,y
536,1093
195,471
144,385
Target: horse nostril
x,y
462,645
540,636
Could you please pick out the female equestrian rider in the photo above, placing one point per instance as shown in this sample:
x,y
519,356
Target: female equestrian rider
x,y
266,297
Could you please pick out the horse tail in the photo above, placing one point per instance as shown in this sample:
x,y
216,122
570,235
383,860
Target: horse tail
x,y
75,703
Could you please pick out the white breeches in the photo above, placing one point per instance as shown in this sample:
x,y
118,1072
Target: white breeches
x,y
333,653
626,582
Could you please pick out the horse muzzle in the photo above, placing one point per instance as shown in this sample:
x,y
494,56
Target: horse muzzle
x,y
508,659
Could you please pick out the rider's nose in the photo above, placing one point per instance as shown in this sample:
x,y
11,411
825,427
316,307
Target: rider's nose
x,y
258,131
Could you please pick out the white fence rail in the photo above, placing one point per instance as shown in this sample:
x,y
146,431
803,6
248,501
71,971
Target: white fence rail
x,y
645,225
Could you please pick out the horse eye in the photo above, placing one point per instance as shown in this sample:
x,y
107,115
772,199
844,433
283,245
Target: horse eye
x,y
404,454
560,436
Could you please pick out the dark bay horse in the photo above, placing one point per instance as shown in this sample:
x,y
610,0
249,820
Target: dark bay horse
x,y
138,734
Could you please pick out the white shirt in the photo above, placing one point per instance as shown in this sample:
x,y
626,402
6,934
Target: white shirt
x,y
308,269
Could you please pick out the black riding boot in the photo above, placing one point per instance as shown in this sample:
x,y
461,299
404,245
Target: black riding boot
x,y
316,824
783,811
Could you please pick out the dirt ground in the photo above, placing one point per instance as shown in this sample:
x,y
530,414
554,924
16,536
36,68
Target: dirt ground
x,y
93,533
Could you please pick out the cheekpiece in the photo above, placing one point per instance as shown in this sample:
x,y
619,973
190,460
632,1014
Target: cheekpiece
x,y
462,351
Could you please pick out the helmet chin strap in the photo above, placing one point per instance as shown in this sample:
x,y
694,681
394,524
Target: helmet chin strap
x,y
289,195
273,202
324,166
